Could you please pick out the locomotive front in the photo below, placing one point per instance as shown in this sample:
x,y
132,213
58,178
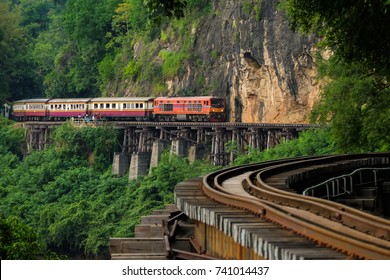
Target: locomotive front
x,y
217,109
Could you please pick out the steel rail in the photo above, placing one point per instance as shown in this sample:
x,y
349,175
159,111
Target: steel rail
x,y
346,215
369,248
188,124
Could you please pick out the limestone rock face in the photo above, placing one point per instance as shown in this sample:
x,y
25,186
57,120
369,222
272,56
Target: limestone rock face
x,y
248,53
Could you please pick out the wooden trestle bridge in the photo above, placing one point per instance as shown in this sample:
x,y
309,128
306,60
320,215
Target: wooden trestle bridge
x,y
143,142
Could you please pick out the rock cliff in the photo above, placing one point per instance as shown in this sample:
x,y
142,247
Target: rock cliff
x,y
245,51
250,55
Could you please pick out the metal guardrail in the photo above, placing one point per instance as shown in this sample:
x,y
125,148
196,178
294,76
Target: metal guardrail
x,y
341,185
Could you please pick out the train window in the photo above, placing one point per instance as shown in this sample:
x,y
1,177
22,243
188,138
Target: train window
x,y
178,101
137,105
95,106
141,105
168,107
107,105
217,103
113,105
51,106
124,105
185,101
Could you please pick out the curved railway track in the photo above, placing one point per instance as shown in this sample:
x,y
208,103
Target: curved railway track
x,y
269,191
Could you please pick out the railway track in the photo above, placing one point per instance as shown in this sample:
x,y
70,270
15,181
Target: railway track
x,y
181,124
280,223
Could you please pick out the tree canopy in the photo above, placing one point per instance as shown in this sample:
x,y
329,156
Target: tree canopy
x,y
167,8
65,197
355,97
356,31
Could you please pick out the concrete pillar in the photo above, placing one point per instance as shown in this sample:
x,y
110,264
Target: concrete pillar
x,y
139,165
158,147
196,152
179,147
120,164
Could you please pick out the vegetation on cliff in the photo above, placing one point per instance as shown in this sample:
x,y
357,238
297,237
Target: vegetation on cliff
x,y
77,48
355,100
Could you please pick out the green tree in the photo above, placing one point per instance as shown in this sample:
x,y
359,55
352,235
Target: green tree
x,y
159,9
93,144
35,15
356,106
17,79
355,98
310,142
18,241
356,31
11,137
75,72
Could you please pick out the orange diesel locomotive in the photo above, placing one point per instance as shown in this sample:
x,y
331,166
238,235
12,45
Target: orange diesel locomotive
x,y
192,108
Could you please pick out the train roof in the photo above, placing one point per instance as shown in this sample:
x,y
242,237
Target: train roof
x,y
121,99
71,100
34,100
187,97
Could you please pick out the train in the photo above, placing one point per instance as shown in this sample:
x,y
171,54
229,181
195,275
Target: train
x,y
193,108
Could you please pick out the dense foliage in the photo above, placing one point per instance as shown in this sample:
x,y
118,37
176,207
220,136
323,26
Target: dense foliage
x,y
68,197
357,31
311,142
355,98
19,241
357,106
77,48
17,77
